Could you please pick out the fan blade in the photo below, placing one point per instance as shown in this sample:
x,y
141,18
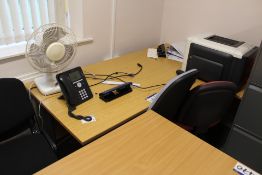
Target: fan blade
x,y
40,62
53,34
35,51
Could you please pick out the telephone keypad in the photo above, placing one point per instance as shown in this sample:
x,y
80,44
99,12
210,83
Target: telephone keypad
x,y
83,94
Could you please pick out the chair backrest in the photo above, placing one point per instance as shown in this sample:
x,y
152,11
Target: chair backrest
x,y
206,105
15,106
171,97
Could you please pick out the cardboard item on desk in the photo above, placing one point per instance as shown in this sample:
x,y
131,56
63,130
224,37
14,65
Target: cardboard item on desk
x,y
152,53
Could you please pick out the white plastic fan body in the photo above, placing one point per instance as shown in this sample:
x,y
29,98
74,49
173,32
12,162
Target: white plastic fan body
x,y
50,49
47,84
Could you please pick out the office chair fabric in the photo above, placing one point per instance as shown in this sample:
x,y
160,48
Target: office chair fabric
x,y
172,96
206,105
15,104
20,153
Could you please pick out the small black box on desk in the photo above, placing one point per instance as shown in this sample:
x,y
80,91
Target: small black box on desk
x,y
116,92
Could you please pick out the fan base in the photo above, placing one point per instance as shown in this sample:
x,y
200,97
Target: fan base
x,y
47,86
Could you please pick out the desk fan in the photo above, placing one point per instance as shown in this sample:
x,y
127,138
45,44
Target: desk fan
x,y
49,50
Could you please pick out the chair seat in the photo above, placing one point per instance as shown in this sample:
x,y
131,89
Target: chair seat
x,y
32,154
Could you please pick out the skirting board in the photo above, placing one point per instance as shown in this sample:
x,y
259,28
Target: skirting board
x,y
30,76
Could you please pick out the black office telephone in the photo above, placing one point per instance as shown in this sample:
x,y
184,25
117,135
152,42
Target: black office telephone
x,y
74,87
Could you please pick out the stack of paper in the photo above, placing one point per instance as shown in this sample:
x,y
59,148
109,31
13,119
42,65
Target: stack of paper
x,y
175,52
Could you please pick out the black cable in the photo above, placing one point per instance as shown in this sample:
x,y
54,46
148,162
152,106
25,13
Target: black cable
x,y
125,73
104,75
110,76
141,67
116,77
148,87
78,117
102,80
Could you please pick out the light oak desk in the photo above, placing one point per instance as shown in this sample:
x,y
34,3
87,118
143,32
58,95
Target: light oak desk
x,y
115,113
149,144
112,114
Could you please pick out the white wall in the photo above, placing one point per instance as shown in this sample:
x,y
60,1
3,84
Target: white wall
x,y
132,32
138,24
238,19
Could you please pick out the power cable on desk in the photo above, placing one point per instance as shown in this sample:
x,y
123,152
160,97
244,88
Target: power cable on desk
x,y
139,87
103,80
124,73
110,76
148,87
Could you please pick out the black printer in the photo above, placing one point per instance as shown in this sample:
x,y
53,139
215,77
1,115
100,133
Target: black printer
x,y
219,58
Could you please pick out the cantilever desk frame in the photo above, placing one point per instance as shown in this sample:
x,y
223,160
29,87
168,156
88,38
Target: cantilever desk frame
x,y
119,111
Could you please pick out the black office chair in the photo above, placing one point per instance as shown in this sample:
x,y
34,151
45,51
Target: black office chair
x,y
24,149
170,99
206,106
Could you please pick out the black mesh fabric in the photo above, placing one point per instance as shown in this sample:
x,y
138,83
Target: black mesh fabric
x,y
15,105
25,155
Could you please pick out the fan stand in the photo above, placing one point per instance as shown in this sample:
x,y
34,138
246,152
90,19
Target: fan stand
x,y
47,84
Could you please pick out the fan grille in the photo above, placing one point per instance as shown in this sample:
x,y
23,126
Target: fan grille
x,y
40,40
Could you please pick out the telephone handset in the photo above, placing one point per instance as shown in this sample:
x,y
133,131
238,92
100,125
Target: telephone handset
x,y
75,89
